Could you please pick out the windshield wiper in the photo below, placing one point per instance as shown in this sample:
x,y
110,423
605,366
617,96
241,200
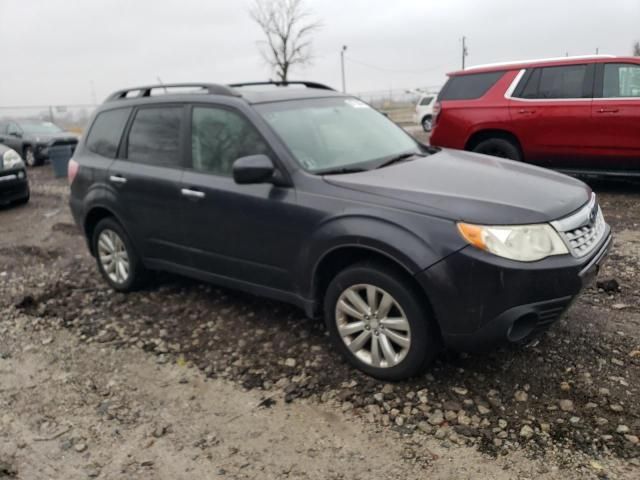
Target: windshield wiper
x,y
337,171
400,158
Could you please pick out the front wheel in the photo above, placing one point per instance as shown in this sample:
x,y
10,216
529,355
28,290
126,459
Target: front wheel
x,y
379,322
30,157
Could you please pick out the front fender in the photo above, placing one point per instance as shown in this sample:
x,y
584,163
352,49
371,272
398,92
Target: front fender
x,y
414,248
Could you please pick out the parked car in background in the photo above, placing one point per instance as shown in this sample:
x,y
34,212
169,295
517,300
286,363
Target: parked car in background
x,y
579,114
33,138
424,111
14,185
312,197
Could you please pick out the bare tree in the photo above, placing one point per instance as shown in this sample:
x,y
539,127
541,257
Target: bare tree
x,y
288,26
636,49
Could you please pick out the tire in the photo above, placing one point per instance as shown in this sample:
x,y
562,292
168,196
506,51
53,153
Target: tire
x,y
126,273
427,124
411,320
499,147
30,157
23,200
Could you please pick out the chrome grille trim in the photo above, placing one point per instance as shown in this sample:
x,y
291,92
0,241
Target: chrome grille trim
x,y
583,230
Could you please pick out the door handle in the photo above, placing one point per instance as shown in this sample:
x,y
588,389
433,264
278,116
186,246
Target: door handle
x,y
187,192
609,110
526,112
117,179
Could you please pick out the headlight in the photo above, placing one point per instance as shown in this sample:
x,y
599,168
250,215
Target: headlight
x,y
11,159
525,243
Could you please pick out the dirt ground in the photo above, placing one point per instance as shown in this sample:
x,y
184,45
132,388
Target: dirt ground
x,y
185,380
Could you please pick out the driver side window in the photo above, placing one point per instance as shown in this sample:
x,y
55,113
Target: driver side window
x,y
219,137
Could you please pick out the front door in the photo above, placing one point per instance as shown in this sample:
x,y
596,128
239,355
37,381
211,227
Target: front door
x,y
237,232
615,137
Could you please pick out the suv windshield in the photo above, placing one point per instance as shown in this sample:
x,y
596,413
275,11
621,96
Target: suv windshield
x,y
333,134
40,127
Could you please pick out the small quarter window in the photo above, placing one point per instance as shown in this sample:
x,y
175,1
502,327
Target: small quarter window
x,y
104,134
469,86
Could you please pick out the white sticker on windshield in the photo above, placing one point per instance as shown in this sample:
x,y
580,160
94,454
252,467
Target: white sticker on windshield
x,y
356,103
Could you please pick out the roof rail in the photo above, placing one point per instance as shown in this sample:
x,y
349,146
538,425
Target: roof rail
x,y
539,60
277,83
210,88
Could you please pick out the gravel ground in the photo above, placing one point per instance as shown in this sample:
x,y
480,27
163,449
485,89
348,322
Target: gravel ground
x,y
566,407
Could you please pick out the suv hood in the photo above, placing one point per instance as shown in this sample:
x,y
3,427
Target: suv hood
x,y
49,137
473,188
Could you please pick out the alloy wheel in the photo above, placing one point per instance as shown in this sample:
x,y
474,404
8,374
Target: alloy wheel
x,y
113,256
30,157
373,325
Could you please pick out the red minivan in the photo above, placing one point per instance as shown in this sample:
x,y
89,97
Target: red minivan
x,y
573,113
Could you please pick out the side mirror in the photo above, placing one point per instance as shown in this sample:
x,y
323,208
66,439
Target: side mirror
x,y
253,169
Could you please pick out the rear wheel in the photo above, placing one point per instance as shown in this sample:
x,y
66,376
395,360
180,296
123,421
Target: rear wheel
x,y
427,123
30,157
379,322
117,260
499,147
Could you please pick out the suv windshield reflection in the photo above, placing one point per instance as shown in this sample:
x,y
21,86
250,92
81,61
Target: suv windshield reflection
x,y
40,127
336,133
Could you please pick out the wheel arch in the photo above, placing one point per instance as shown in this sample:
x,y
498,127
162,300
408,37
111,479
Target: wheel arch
x,y
94,215
345,256
487,133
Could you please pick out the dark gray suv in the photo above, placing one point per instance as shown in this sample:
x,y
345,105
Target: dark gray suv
x,y
305,195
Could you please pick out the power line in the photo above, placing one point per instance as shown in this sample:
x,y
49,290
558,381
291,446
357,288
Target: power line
x,y
388,70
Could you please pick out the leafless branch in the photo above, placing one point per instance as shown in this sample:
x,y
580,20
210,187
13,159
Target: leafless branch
x,y
288,27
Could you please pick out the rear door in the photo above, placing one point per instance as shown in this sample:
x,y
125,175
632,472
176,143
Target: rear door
x,y
146,178
615,138
551,112
245,233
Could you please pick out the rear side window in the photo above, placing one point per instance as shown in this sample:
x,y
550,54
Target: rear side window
x,y
562,82
621,80
468,87
106,131
154,137
571,81
426,101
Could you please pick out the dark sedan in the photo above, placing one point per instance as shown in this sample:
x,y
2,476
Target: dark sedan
x,y
14,186
32,139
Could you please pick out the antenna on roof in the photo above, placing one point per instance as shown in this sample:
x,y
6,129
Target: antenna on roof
x,y
162,84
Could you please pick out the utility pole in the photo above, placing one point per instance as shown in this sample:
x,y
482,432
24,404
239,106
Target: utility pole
x,y
597,50
344,49
465,52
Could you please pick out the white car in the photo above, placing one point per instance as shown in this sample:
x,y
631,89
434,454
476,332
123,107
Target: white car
x,y
424,110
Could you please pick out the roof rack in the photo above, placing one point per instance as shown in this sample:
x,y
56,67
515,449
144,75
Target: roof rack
x,y
140,92
276,83
539,60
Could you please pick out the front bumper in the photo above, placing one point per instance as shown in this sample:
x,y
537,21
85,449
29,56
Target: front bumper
x,y
482,301
14,186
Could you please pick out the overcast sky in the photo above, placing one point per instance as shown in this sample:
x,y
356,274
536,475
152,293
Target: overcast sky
x,y
52,51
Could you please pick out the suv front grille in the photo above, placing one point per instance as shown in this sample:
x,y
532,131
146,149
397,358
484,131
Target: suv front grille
x,y
583,230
